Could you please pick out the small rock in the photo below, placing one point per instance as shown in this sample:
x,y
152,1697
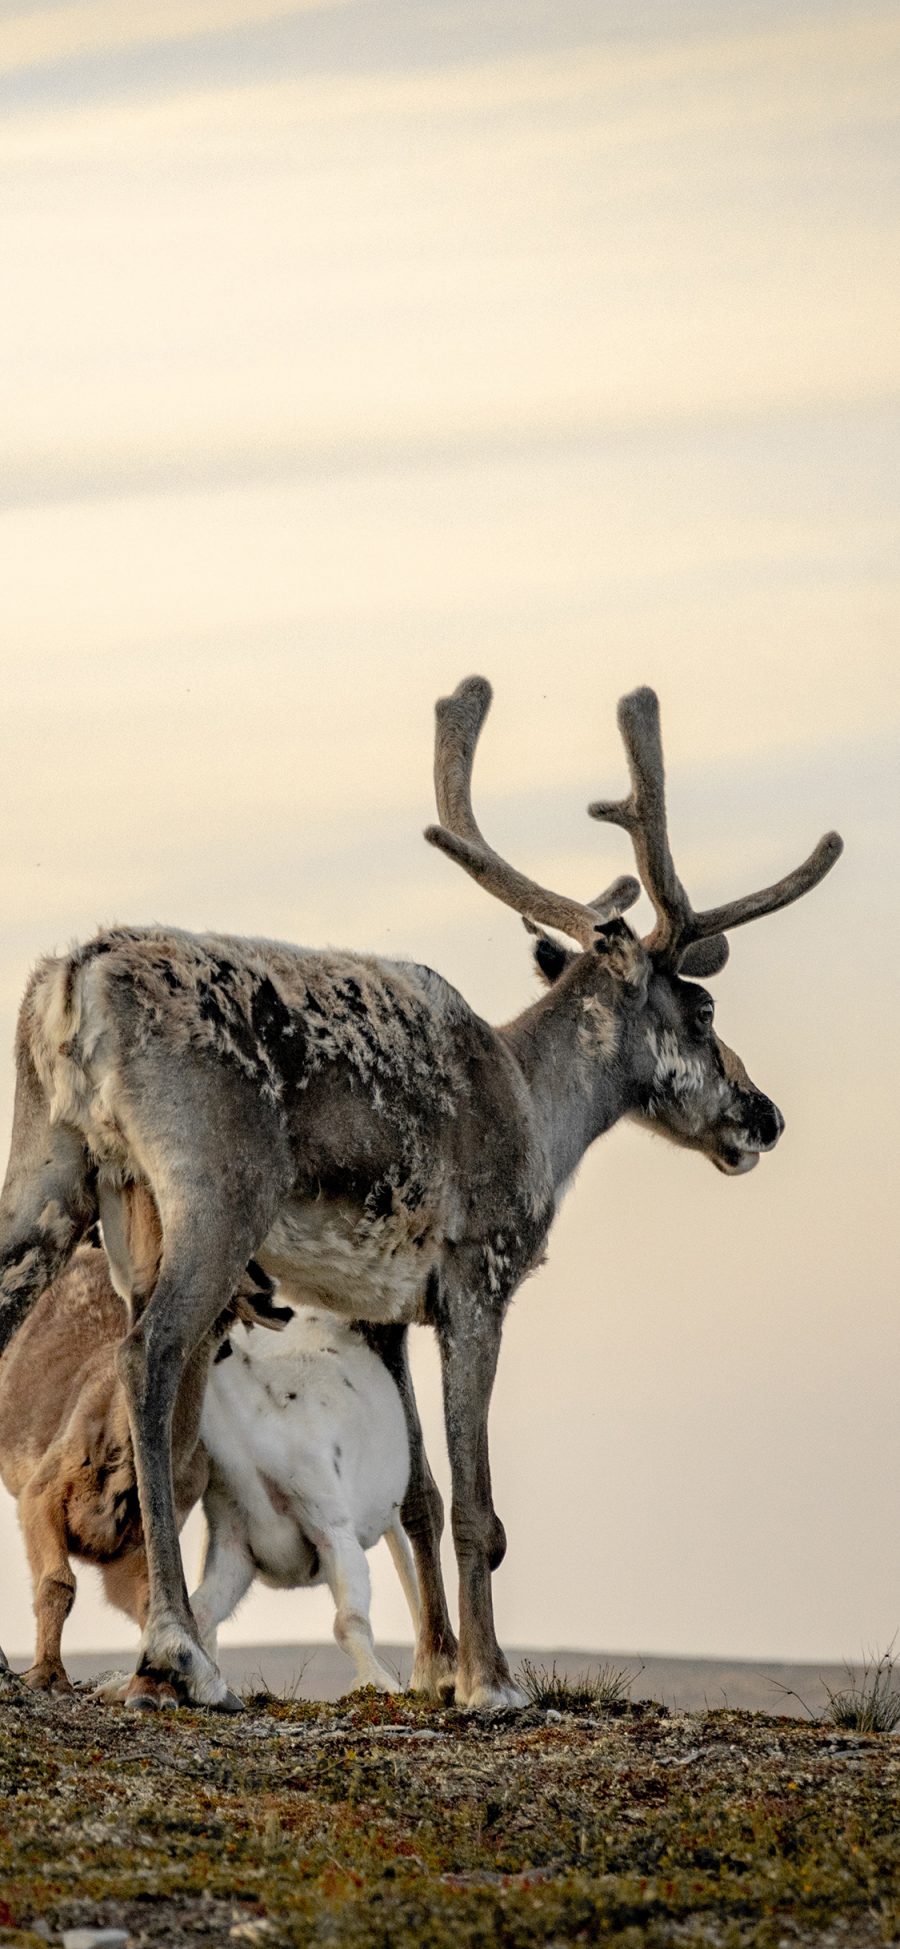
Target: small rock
x,y
254,1930
553,1717
95,1938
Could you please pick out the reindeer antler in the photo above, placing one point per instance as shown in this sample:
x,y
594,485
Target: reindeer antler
x,y
459,722
681,939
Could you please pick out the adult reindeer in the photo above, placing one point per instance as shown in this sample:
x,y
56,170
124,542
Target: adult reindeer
x,y
353,1126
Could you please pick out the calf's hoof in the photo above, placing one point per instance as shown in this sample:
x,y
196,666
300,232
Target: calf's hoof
x,y
47,1678
383,1681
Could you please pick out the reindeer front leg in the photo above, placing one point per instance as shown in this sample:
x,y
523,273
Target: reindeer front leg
x,y
469,1339
422,1515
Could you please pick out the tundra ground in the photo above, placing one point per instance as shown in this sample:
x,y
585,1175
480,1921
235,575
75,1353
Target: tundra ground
x,y
381,1822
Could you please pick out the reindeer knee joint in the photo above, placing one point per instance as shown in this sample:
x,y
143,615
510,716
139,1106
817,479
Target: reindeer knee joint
x,y
496,1546
349,1625
423,1511
56,1589
479,1534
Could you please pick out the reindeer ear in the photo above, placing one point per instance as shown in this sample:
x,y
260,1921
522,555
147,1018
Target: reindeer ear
x,y
551,959
704,958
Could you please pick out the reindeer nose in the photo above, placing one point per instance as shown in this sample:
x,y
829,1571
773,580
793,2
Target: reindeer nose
x,y
769,1122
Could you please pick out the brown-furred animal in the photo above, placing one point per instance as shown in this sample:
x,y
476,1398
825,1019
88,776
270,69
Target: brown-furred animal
x,y
355,1127
65,1444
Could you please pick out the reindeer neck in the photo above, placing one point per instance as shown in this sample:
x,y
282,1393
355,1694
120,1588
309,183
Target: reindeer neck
x,y
568,1047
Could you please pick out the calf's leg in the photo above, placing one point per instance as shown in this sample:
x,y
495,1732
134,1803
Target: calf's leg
x,y
228,1568
346,1573
402,1559
43,1521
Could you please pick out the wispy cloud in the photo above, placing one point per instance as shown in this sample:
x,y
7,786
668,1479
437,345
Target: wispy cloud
x,y
157,468
48,36
811,70
370,264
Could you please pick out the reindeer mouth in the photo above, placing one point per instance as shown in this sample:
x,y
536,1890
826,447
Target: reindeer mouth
x,y
734,1162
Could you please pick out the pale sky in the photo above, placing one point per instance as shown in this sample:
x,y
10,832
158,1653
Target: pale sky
x,y
347,348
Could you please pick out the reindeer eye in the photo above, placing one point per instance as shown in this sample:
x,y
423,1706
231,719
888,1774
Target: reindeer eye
x,y
704,1016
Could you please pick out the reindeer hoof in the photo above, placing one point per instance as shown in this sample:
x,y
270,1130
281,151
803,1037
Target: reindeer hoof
x,y
503,1697
149,1694
146,1693
141,1702
434,1676
179,1671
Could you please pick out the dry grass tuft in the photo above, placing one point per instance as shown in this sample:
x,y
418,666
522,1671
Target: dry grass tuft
x,y
551,1691
870,1703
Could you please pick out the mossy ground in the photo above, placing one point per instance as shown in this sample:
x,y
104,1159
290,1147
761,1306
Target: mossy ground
x,y
383,1824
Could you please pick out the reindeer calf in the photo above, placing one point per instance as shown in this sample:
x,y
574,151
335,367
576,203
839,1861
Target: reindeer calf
x,y
66,1454
65,1445
309,1464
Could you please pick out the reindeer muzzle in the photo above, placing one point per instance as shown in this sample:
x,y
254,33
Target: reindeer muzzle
x,y
760,1128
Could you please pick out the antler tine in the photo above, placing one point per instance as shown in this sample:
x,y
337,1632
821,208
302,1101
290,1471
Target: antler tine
x,y
694,943
459,722
735,913
616,898
643,815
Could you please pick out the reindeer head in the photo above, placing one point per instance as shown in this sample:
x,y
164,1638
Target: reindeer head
x,y
657,1023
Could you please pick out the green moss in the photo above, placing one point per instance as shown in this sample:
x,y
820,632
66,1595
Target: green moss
x,y
385,1821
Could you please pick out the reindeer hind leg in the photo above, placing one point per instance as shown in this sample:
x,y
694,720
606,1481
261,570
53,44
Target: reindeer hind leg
x,y
206,1242
48,1201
